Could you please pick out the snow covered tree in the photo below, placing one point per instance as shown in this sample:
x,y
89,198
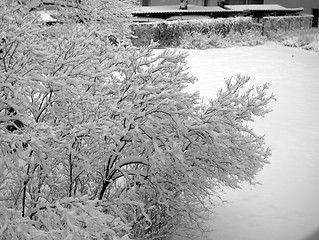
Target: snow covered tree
x,y
100,140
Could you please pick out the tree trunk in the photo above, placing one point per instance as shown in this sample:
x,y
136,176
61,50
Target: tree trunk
x,y
183,5
145,2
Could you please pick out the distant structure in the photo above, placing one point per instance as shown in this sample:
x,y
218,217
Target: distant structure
x,y
310,6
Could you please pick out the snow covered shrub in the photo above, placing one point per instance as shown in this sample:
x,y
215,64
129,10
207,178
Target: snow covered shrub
x,y
304,38
224,33
101,141
195,40
247,38
43,71
283,24
172,33
66,218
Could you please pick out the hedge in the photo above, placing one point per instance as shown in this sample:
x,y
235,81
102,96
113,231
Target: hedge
x,y
286,23
169,33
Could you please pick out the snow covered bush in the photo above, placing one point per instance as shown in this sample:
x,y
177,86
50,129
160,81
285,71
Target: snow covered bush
x,y
303,38
195,40
172,33
283,24
101,141
66,218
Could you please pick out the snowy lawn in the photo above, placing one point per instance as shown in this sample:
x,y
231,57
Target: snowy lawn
x,y
286,204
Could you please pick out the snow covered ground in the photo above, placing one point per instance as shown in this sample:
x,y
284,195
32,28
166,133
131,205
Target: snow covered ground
x,y
286,205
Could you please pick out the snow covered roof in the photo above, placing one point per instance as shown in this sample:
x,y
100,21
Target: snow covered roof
x,y
228,10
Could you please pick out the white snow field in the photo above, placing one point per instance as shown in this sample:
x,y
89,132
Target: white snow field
x,y
286,204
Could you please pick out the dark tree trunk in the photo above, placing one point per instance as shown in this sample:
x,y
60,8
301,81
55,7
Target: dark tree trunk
x,y
183,5
145,2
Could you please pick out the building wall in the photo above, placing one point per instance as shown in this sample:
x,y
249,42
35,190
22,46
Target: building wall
x,y
197,2
161,2
234,2
174,2
308,5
